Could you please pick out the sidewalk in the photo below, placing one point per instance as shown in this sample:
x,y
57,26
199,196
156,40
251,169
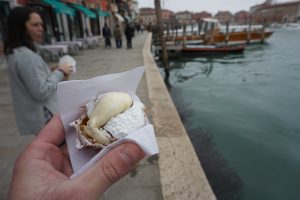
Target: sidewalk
x,y
142,183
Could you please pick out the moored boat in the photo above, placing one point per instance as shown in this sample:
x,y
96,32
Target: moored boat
x,y
218,34
213,49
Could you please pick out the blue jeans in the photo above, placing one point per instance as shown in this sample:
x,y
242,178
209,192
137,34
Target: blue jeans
x,y
118,43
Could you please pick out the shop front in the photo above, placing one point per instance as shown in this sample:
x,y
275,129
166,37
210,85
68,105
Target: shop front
x,y
56,16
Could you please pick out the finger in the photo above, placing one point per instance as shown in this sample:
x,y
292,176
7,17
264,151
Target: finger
x,y
112,167
53,132
65,152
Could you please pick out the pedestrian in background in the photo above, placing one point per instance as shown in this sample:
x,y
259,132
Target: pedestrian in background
x,y
33,84
106,34
138,28
118,36
129,33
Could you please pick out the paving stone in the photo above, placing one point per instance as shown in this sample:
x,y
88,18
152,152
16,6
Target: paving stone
x,y
133,193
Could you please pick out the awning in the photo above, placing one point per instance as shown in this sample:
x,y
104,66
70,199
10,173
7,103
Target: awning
x,y
102,13
119,17
127,18
83,9
60,7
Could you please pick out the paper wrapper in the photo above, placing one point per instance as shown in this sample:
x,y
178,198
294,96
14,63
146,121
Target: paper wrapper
x,y
68,60
73,96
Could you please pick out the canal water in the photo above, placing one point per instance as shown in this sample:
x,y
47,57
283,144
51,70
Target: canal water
x,y
248,108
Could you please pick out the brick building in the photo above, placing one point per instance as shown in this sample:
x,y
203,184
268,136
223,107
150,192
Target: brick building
x,y
241,17
200,15
224,17
166,15
184,17
276,13
147,16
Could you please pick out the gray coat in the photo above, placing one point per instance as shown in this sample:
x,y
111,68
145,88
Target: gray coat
x,y
33,88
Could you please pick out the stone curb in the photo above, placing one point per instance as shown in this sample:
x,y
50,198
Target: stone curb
x,y
181,173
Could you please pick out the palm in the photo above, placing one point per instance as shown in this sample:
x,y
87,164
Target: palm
x,y
49,159
46,165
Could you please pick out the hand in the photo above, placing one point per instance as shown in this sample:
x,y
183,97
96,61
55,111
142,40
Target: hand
x,y
42,171
66,68
53,67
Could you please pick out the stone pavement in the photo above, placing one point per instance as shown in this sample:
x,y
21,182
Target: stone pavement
x,y
142,183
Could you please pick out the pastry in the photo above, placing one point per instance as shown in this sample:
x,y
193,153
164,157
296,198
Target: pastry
x,y
110,117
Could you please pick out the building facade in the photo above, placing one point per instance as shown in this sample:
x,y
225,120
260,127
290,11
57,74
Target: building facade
x,y
242,17
184,17
134,10
147,16
224,17
166,15
196,17
276,13
67,20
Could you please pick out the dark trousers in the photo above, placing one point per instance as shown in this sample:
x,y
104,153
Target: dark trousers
x,y
129,44
118,43
107,42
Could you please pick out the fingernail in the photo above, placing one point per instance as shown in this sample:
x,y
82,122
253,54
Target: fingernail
x,y
131,154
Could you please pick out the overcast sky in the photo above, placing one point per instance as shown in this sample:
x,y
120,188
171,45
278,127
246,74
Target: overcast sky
x,y
211,6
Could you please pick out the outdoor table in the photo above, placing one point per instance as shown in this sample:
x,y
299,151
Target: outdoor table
x,y
74,46
93,41
55,50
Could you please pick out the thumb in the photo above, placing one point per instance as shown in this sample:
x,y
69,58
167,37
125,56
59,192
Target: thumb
x,y
112,167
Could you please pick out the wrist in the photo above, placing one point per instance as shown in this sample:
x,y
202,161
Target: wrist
x,y
64,73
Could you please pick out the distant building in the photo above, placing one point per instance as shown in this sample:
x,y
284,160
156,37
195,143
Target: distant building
x,y
200,15
184,17
242,17
277,13
224,17
147,16
259,6
134,9
166,15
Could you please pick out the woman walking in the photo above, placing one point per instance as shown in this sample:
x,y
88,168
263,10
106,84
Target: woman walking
x,y
118,36
129,32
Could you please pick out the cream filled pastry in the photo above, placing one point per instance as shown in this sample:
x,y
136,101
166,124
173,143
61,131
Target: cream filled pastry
x,y
111,117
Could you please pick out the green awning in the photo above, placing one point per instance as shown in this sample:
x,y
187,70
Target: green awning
x,y
83,9
127,18
102,13
60,7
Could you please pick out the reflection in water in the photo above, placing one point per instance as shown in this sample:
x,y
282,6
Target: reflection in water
x,y
184,77
224,180
208,68
167,82
203,65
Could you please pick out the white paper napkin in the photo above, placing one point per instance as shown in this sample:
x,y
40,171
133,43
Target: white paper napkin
x,y
66,59
72,97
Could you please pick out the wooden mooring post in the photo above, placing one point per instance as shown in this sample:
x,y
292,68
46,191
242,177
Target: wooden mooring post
x,y
249,30
184,35
199,27
192,29
263,33
172,27
212,34
161,37
227,33
168,30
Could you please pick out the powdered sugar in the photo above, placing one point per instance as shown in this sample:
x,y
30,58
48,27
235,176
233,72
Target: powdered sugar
x,y
127,122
